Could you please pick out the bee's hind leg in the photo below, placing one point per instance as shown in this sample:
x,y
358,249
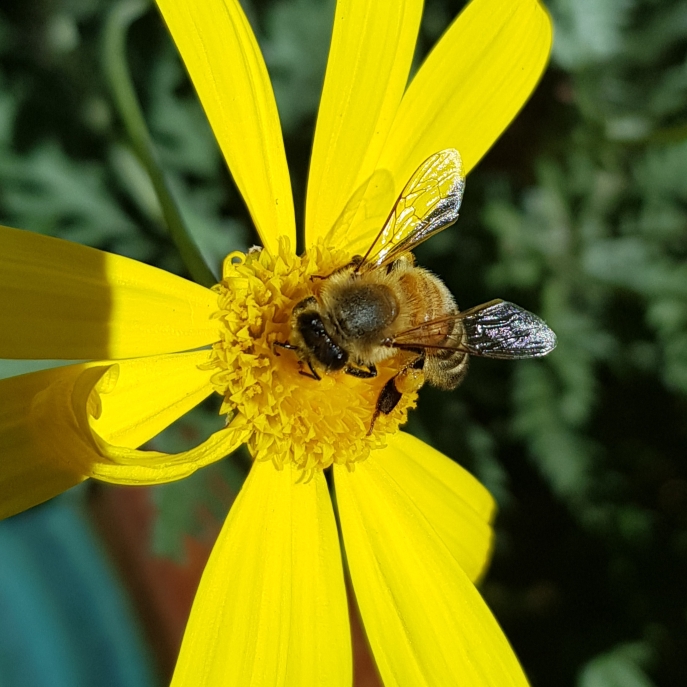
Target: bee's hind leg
x,y
387,400
409,379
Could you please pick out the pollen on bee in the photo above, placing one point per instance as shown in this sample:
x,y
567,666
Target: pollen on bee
x,y
409,380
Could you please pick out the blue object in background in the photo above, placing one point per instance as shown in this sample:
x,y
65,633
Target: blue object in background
x,y
65,620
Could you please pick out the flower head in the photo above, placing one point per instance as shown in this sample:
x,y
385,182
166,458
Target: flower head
x,y
291,419
271,606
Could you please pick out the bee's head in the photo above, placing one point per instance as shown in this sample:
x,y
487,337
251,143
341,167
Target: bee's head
x,y
314,338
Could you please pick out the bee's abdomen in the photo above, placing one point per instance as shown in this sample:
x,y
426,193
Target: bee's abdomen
x,y
444,367
427,299
446,372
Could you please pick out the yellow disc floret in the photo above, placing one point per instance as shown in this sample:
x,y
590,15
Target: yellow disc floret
x,y
293,417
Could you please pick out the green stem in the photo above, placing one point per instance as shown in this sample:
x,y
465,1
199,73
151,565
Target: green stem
x,y
119,19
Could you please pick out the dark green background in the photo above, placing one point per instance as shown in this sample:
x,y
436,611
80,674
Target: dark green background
x,y
579,213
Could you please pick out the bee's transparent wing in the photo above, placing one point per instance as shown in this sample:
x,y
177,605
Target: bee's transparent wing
x,y
497,329
500,329
431,334
363,214
429,203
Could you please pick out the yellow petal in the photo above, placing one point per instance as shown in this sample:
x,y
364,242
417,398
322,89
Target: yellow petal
x,y
471,86
47,439
140,397
367,71
63,300
426,622
456,505
271,607
28,476
121,465
227,69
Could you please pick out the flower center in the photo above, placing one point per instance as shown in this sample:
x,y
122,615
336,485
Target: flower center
x,y
294,417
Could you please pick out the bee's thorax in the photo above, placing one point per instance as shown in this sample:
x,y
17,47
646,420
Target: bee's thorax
x,y
364,311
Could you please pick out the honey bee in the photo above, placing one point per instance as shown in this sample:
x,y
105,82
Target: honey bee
x,y
381,304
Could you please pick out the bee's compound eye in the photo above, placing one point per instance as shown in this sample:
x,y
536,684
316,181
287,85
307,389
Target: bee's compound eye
x,y
409,380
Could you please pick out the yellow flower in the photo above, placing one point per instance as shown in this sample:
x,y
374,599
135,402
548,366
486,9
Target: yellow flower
x,y
271,607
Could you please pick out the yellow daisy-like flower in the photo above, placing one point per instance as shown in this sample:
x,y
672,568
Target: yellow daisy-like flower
x,y
271,607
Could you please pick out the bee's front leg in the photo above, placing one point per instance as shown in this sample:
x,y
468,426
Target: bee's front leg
x,y
283,344
290,347
360,372
313,372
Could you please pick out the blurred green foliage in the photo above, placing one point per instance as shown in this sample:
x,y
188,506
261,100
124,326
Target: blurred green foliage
x,y
579,213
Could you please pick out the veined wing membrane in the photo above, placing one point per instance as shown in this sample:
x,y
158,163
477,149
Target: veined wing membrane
x,y
428,203
500,329
435,333
363,214
497,329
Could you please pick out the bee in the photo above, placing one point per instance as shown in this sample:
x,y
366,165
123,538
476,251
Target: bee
x,y
382,305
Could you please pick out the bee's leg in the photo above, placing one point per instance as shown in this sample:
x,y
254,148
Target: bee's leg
x,y
360,372
283,344
387,400
312,374
409,379
290,347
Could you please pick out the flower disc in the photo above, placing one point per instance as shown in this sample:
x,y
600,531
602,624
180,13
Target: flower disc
x,y
293,417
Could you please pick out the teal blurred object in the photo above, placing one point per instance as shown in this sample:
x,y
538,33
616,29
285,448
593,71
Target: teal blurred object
x,y
65,620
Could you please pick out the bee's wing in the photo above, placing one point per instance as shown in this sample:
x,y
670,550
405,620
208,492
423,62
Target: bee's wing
x,y
497,329
429,203
431,334
366,209
500,329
